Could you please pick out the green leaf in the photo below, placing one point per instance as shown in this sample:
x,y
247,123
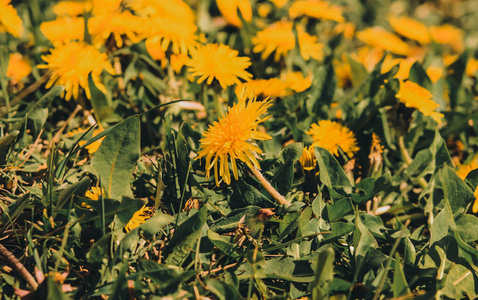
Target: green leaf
x,y
370,187
324,274
363,239
245,194
115,159
54,290
102,109
222,290
127,208
339,208
467,227
400,285
459,281
339,229
223,243
14,210
232,220
99,250
287,268
283,167
78,188
323,90
185,238
331,173
5,143
455,191
439,228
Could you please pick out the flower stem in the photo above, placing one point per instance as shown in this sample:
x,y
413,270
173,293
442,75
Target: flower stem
x,y
266,184
17,265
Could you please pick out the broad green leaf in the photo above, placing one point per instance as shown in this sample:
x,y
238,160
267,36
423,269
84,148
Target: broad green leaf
x,y
14,210
400,285
222,290
339,208
459,281
467,226
286,268
232,220
304,221
369,187
126,210
54,290
245,194
185,238
363,239
283,167
439,228
166,279
116,157
338,229
331,173
102,109
99,250
324,274
78,188
223,243
455,191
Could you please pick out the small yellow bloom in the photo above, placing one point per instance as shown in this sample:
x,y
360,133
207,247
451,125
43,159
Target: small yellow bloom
x,y
228,9
70,65
64,30
288,84
404,66
448,34
230,139
464,169
472,67
384,40
434,73
331,135
9,20
307,160
220,62
279,37
155,50
18,68
415,96
178,61
119,25
410,28
139,218
347,29
316,9
94,193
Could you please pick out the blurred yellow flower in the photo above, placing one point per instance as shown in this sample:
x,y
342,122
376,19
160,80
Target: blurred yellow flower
x,y
343,72
331,135
178,33
64,29
463,169
218,61
384,40
94,193
415,96
316,9
70,65
154,49
178,61
105,7
279,37
369,57
139,217
448,59
228,9
346,28
434,73
230,138
448,34
405,65
472,67
279,3
288,84
410,28
71,8
9,20
119,25
18,68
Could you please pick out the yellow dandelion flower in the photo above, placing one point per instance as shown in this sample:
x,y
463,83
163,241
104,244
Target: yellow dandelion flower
x,y
93,147
9,20
228,9
463,169
178,33
448,59
218,61
105,7
410,28
404,66
279,37
369,57
380,38
346,28
415,96
279,3
288,84
94,193
331,135
71,8
472,67
18,68
434,73
139,217
155,50
448,34
178,61
70,65
63,30
475,204
316,9
307,160
230,138
117,24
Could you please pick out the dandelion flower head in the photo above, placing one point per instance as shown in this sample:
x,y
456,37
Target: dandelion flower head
x,y
230,139
228,9
287,84
410,28
9,20
71,8
139,217
64,29
316,9
218,61
464,169
415,96
70,65
331,135
18,68
448,34
307,160
380,38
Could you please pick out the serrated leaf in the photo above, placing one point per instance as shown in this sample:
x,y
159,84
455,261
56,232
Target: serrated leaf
x,y
115,159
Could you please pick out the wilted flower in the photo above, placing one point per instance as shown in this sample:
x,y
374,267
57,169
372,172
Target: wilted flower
x,y
220,62
70,65
9,20
415,96
331,135
230,138
139,217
